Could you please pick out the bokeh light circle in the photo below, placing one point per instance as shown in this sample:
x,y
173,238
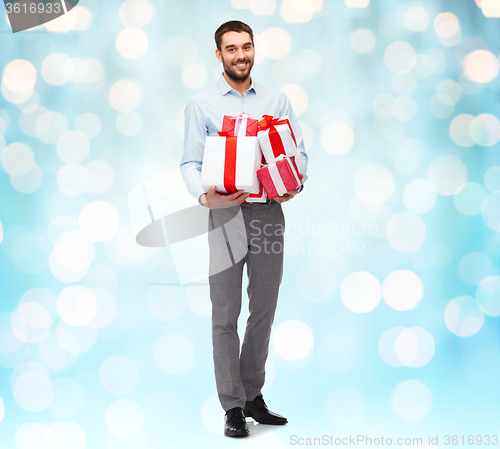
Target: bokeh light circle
x,y
411,399
132,42
118,374
460,128
406,232
474,266
76,340
447,174
491,178
490,210
416,19
337,138
124,95
309,61
129,123
419,196
293,339
463,316
360,292
76,305
485,130
194,76
72,179
448,92
412,347
373,183
488,295
19,76
89,124
32,390
297,96
468,201
100,176
17,158
400,57
363,41
124,419
57,69
73,146
402,290
50,126
481,66
278,42
99,221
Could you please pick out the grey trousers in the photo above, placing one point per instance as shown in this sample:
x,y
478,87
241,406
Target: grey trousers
x,y
259,244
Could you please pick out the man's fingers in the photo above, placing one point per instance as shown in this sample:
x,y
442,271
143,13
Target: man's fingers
x,y
237,195
242,198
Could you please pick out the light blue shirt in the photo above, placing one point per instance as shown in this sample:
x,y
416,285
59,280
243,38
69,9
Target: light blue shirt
x,y
204,114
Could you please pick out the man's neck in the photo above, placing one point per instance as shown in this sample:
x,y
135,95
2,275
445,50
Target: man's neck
x,y
240,86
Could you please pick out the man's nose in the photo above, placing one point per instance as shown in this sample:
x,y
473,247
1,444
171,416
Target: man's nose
x,y
240,54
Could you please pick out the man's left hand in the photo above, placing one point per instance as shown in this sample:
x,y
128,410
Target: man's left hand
x,y
288,196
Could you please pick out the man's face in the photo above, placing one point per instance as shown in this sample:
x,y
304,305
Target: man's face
x,y
237,55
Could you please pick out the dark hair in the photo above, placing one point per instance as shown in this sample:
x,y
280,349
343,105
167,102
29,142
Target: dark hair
x,y
232,25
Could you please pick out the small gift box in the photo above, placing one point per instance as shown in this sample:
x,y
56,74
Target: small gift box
x,y
276,138
280,177
240,125
231,163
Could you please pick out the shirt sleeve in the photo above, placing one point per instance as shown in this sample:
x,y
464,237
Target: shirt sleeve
x,y
286,109
195,133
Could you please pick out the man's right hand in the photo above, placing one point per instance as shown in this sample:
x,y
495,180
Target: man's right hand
x,y
214,200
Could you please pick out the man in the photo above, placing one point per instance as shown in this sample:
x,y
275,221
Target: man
x,y
240,378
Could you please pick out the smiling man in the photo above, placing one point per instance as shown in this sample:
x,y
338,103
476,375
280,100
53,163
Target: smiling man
x,y
240,377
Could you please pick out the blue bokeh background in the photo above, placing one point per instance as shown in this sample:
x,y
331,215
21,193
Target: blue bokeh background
x,y
387,321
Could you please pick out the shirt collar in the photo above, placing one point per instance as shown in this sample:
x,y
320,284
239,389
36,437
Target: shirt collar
x,y
225,87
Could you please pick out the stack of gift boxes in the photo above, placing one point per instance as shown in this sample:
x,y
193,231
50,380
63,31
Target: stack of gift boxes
x,y
258,157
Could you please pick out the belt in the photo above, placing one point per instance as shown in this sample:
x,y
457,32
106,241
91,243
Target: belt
x,y
261,204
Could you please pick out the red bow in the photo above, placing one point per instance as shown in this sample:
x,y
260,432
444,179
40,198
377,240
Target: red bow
x,y
268,122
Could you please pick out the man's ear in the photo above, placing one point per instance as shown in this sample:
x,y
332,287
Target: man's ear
x,y
218,55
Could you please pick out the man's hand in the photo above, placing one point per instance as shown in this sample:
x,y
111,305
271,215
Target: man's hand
x,y
214,200
288,196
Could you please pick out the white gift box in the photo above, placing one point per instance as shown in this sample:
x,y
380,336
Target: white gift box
x,y
257,197
231,164
275,138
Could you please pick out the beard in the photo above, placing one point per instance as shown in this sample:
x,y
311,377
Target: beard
x,y
234,74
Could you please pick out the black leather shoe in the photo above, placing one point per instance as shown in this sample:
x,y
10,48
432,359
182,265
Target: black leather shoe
x,y
235,424
257,409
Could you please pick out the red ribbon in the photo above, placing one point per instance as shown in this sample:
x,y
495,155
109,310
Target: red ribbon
x,y
229,162
268,122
